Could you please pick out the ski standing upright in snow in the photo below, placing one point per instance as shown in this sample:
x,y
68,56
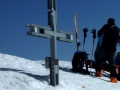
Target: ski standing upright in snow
x,y
76,30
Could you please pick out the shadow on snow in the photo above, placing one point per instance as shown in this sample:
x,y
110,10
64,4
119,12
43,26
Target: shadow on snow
x,y
38,77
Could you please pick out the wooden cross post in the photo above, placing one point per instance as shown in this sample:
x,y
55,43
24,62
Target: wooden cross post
x,y
50,32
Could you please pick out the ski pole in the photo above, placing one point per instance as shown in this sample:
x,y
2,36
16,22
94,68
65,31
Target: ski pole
x,y
94,36
85,30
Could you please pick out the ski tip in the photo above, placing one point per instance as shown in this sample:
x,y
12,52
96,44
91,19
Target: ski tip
x,y
76,14
75,17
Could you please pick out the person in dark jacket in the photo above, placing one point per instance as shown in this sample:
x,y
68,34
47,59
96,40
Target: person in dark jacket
x,y
108,48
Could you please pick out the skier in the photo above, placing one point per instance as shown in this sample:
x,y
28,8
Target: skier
x,y
107,49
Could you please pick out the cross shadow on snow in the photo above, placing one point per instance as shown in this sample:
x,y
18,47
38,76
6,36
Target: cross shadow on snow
x,y
9,69
37,77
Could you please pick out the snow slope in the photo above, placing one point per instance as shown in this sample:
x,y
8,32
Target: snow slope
x,y
22,74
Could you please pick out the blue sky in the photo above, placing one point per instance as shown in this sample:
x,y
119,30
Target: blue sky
x,y
15,14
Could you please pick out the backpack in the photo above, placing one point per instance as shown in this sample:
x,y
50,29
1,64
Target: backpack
x,y
78,61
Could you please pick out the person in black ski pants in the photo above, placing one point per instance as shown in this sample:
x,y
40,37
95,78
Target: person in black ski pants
x,y
108,47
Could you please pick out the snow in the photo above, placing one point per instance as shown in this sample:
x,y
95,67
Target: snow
x,y
22,74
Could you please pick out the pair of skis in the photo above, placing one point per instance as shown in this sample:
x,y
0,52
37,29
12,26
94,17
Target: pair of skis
x,y
84,30
76,31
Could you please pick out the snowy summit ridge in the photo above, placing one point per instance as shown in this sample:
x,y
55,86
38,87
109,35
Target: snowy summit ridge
x,y
22,74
